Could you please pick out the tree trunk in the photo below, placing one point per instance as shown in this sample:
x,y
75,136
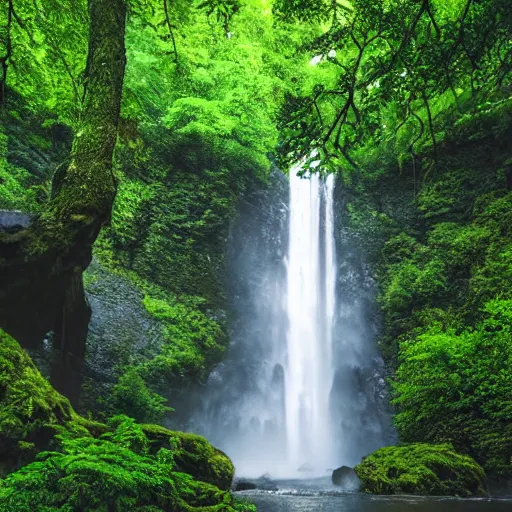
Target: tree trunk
x,y
41,267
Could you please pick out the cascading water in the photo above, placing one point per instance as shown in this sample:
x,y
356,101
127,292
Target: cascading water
x,y
301,386
309,370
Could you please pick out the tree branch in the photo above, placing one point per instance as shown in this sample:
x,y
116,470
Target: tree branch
x,y
171,33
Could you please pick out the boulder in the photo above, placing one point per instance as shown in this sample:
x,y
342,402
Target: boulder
x,y
194,455
12,221
243,485
346,477
421,468
266,483
142,464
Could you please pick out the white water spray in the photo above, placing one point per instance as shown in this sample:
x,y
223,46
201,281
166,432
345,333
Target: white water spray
x,y
301,386
311,278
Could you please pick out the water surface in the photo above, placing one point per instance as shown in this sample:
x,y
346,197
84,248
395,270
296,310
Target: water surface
x,y
278,501
320,496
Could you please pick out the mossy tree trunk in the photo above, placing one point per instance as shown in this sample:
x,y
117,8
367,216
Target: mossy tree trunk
x,y
41,267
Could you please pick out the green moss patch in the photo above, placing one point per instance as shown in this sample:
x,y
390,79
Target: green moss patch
x,y
29,406
424,469
115,472
95,467
193,454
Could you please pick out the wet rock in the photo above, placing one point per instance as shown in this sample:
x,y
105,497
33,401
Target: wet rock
x,y
421,468
243,485
14,221
266,483
346,477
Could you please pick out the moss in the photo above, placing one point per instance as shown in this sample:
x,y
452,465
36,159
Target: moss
x,y
120,465
29,406
425,469
113,472
193,454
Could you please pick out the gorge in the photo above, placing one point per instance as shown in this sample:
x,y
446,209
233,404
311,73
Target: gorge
x,y
254,241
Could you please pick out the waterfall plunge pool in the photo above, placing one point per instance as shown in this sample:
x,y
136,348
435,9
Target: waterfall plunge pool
x,y
320,495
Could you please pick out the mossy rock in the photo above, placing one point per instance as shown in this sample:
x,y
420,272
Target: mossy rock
x,y
114,472
436,470
194,455
120,465
29,406
32,412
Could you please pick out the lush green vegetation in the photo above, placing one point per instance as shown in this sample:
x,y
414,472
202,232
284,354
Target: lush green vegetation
x,y
29,404
407,101
190,342
119,470
198,121
120,465
456,386
421,469
443,254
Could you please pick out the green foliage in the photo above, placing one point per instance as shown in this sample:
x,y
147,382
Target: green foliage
x,y
28,156
114,472
406,71
436,470
49,45
131,396
412,285
303,10
193,454
12,180
195,137
120,466
439,237
191,342
184,340
29,406
413,94
187,328
447,317
460,265
456,388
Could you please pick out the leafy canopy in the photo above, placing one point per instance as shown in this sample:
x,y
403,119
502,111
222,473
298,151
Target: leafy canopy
x,y
401,71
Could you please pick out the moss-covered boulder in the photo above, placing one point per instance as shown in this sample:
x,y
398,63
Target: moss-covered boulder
x,y
92,467
116,472
194,455
29,406
425,469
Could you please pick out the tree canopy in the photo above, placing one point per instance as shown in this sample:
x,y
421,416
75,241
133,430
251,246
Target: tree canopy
x,y
399,73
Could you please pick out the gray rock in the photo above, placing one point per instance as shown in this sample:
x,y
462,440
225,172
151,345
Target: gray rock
x,y
243,485
266,483
12,221
346,477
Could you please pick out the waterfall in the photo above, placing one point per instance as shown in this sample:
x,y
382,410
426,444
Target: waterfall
x,y
310,309
301,386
